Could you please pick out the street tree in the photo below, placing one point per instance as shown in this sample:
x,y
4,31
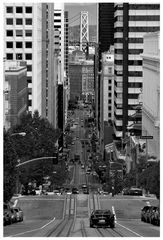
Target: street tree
x,y
9,162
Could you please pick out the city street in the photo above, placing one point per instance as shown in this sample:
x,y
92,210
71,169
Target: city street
x,y
68,215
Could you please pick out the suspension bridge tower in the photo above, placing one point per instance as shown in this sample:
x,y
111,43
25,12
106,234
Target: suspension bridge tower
x,y
84,30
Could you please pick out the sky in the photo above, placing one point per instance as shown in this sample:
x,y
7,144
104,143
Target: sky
x,y
74,10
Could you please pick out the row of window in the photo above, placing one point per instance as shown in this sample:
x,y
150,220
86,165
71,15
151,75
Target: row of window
x,y
139,6
130,95
19,56
130,84
130,40
18,9
130,51
138,29
139,18
130,73
130,62
19,21
19,44
19,33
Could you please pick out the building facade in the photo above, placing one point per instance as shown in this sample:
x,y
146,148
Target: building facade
x,y
131,22
107,77
151,95
15,92
88,81
49,66
23,41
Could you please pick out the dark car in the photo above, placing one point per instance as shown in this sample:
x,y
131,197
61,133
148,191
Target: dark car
x,y
153,215
75,191
145,213
135,191
19,214
102,218
86,190
13,216
6,214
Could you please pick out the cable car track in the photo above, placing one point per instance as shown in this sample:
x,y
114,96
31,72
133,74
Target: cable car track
x,y
66,224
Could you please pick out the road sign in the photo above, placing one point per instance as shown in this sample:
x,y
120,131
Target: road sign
x,y
146,137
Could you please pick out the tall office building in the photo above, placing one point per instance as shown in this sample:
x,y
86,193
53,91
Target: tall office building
x,y
107,77
105,40
23,41
15,92
151,96
49,67
132,21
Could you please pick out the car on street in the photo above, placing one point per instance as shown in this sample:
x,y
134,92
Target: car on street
x,y
19,213
6,214
145,213
75,190
82,166
155,216
102,218
13,215
86,190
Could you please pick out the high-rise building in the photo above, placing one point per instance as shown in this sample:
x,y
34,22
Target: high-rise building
x,y
49,67
15,92
23,41
151,95
132,21
107,77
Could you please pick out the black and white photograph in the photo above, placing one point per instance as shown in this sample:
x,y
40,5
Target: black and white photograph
x,y
81,119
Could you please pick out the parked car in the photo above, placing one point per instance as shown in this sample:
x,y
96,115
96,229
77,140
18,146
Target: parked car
x,y
13,216
6,214
102,218
155,216
19,213
145,211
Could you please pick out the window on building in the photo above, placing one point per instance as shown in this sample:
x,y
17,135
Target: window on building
x,y
28,9
109,94
109,81
28,56
28,44
109,101
9,33
29,68
109,115
9,44
19,33
109,88
9,9
19,9
19,56
19,44
9,56
30,91
28,33
9,21
109,108
30,102
19,21
29,79
28,21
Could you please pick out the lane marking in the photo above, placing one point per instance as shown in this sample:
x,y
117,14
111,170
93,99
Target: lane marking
x,y
36,229
129,230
